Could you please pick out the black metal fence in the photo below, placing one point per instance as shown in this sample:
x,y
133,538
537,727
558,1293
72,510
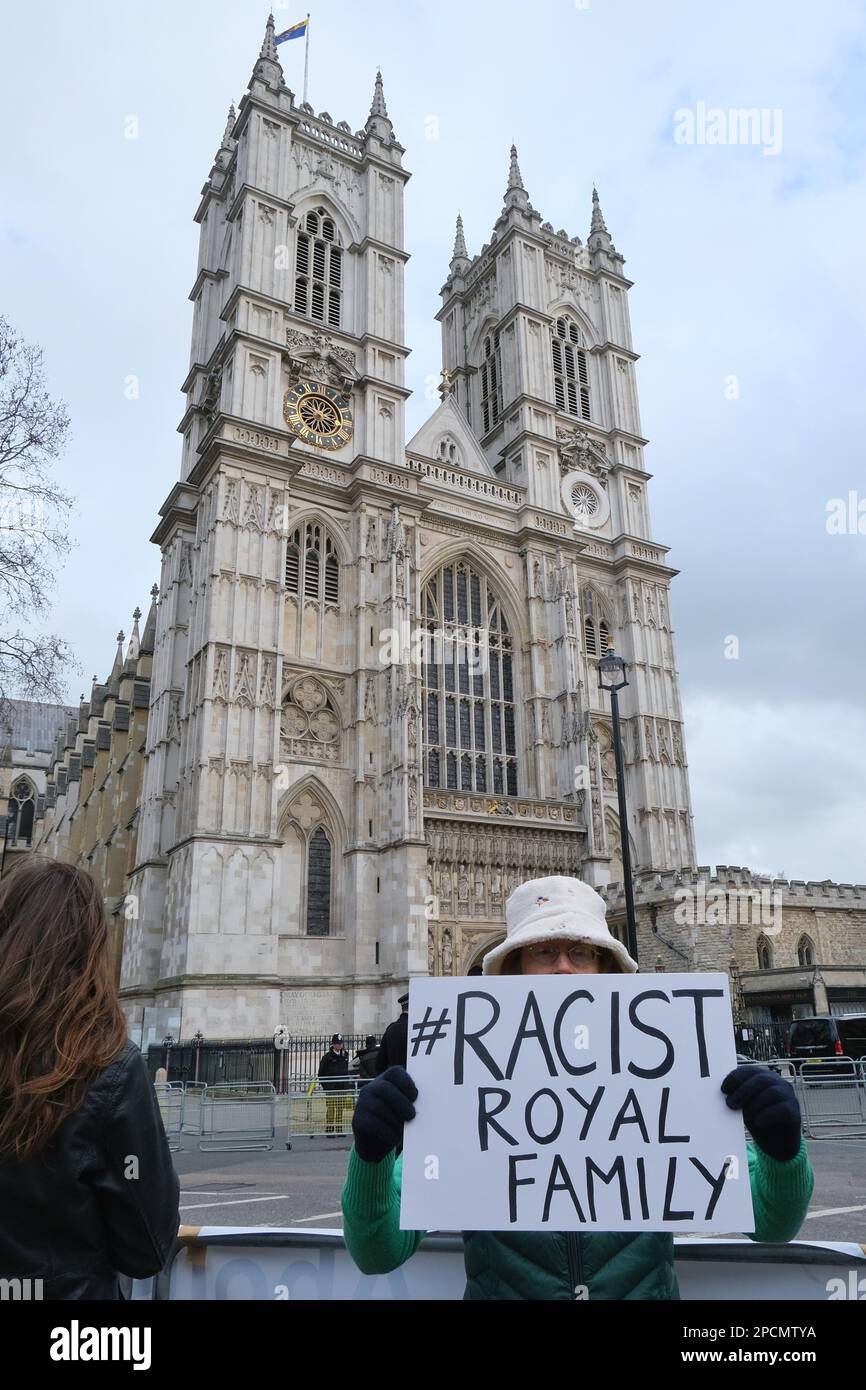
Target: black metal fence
x,y
254,1059
769,1038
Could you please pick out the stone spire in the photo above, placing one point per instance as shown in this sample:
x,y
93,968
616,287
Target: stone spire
x,y
268,69
223,156
515,193
113,681
515,178
598,223
459,242
269,48
148,640
459,256
378,121
378,108
135,640
599,237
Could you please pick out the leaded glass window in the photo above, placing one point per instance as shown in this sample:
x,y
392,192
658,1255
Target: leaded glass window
x,y
319,884
470,725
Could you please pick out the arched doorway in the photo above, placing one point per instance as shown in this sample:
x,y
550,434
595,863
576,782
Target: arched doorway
x,y
476,959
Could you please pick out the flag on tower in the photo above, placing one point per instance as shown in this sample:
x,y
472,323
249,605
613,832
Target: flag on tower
x,y
297,31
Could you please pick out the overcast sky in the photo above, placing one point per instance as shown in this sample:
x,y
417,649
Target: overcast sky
x,y
748,309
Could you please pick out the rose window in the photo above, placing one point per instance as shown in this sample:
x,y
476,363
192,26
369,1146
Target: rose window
x,y
584,500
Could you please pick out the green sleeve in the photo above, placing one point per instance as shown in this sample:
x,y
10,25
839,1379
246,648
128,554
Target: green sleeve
x,y
780,1193
371,1215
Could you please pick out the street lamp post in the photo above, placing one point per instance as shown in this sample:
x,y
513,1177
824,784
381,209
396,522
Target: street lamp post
x,y
168,1044
612,678
197,1042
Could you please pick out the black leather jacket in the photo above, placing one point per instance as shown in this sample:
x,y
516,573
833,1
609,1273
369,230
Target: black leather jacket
x,y
70,1216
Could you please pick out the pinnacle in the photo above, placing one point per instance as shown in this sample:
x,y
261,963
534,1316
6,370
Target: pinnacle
x,y
598,223
269,48
515,178
460,252
378,107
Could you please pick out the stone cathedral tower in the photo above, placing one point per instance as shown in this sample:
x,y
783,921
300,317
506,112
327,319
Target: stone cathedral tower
x,y
374,696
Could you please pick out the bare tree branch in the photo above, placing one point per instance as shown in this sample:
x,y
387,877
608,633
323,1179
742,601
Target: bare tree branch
x,y
34,429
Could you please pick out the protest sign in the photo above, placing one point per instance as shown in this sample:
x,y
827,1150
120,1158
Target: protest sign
x,y
573,1102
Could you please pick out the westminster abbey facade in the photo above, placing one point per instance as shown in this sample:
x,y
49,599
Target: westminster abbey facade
x,y
374,699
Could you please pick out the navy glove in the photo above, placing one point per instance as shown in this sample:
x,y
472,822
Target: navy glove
x,y
770,1109
383,1107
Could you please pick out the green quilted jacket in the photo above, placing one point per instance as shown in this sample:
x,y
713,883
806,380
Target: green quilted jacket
x,y
544,1265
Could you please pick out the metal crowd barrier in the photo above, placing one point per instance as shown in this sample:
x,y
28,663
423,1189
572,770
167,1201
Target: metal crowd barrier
x,y
831,1092
237,1115
833,1098
170,1099
316,1110
192,1106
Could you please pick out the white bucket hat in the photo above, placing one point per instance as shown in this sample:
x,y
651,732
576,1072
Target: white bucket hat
x,y
555,909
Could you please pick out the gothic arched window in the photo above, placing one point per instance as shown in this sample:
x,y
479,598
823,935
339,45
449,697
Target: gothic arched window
x,y
312,564
570,369
806,951
309,867
765,954
470,738
491,382
596,630
22,806
319,270
319,884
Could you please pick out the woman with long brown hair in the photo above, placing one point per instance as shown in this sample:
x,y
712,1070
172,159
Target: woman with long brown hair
x,y
87,1185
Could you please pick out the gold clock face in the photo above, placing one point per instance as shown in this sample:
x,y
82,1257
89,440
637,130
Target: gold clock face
x,y
318,414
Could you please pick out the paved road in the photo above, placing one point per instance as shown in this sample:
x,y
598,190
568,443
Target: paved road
x,y
302,1187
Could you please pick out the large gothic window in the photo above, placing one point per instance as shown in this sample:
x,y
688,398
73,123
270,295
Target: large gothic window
x,y
491,382
806,951
312,566
319,270
765,954
570,370
469,697
22,804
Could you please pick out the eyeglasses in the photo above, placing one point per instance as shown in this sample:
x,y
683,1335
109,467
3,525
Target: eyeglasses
x,y
579,954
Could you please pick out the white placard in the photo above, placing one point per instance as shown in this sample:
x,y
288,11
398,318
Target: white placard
x,y
573,1103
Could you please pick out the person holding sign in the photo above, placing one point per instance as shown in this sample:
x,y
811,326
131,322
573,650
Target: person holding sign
x,y
556,927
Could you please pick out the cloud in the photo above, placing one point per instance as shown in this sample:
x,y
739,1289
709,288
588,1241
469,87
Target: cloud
x,y
779,787
744,266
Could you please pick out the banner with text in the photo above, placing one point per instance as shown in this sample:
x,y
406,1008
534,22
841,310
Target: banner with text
x,y
573,1102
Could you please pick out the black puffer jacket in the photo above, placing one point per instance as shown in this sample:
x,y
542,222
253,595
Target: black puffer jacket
x,y
333,1070
70,1216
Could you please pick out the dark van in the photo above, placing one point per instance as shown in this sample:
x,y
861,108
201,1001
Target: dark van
x,y
827,1036
852,1035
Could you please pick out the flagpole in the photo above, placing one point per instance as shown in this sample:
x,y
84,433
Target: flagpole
x,y
306,58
